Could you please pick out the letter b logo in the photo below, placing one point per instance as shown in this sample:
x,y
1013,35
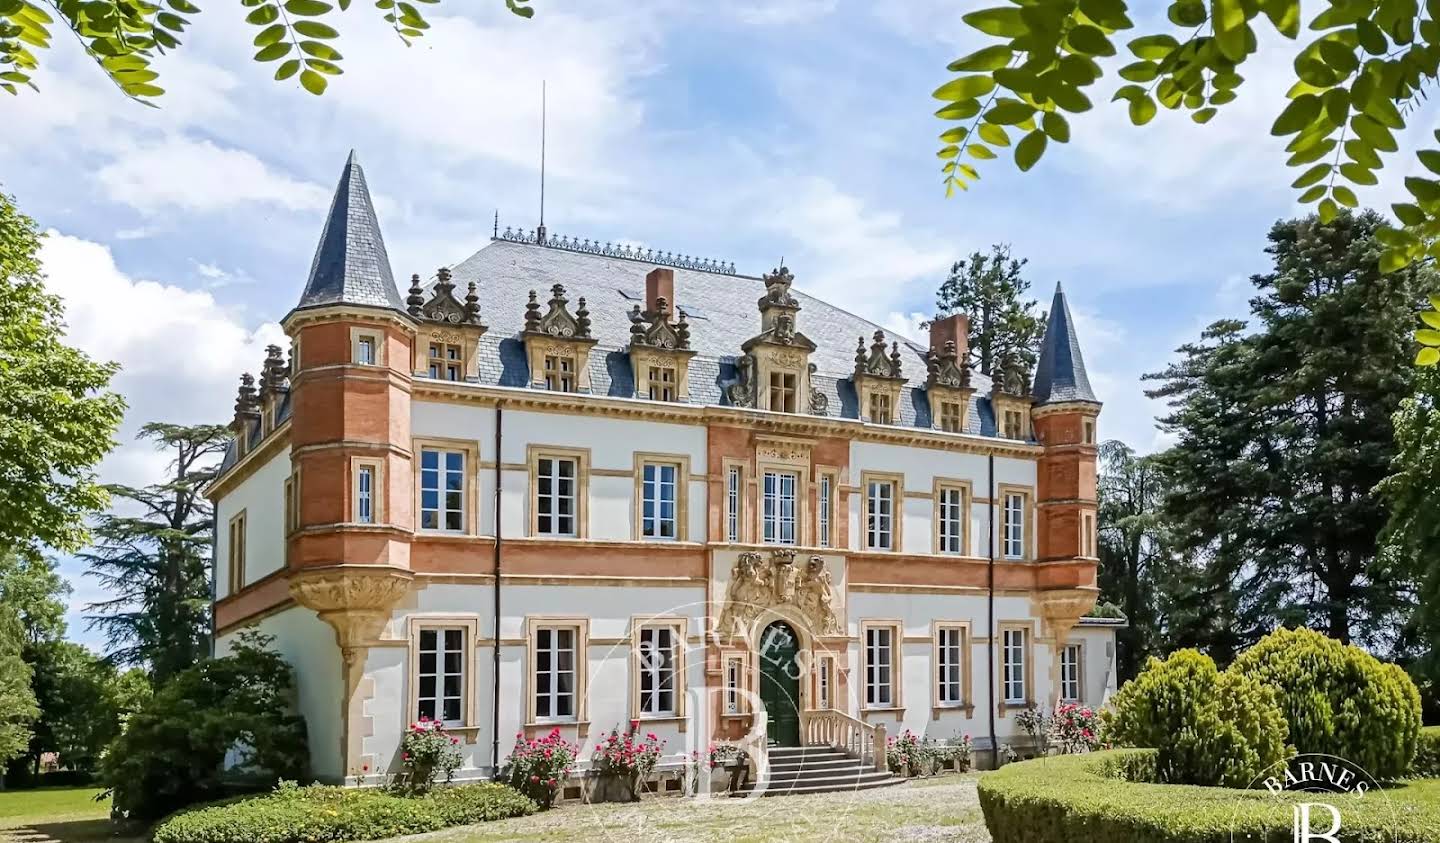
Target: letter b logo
x,y
1303,832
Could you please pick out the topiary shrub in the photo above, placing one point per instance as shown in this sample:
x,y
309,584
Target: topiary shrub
x,y
172,751
1338,699
1210,728
1427,754
317,813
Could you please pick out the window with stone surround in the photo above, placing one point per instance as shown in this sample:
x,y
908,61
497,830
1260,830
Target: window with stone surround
x,y
440,675
880,407
366,490
951,416
1089,435
661,493
1015,505
1087,534
556,496
663,385
292,502
734,489
880,498
446,361
237,552
950,518
1014,424
557,672
1014,655
825,524
880,665
951,658
779,507
658,679
560,373
442,490
366,347
782,391
1071,659
825,681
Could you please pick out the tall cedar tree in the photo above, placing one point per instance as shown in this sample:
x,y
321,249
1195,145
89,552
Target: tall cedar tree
x,y
1283,433
1412,539
990,290
1135,558
156,562
59,420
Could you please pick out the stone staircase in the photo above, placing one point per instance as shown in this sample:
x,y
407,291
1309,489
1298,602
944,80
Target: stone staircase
x,y
816,769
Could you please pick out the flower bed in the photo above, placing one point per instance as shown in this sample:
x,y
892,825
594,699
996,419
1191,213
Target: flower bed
x,y
1108,796
319,813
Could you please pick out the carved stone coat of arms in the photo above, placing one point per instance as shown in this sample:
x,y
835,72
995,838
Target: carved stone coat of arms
x,y
758,583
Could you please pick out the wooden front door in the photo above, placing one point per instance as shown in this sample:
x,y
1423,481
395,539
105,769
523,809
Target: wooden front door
x,y
780,683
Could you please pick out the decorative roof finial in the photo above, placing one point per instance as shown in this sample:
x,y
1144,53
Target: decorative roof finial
x,y
443,284
532,313
582,319
472,304
415,302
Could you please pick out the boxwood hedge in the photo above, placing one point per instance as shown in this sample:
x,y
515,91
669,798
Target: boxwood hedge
x,y
1107,796
1427,754
318,813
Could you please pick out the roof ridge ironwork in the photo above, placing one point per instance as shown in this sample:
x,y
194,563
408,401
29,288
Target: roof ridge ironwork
x,y
535,237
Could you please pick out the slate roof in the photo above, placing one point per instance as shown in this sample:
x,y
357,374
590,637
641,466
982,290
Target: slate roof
x,y
722,312
351,265
1060,373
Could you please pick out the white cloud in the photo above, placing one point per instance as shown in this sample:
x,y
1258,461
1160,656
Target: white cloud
x,y
190,175
908,325
786,12
180,353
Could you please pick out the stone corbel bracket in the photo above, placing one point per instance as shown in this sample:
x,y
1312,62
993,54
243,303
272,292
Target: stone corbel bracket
x,y
1061,609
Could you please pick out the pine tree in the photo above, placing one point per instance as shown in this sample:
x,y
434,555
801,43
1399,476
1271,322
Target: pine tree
x,y
1283,433
1135,557
156,563
990,290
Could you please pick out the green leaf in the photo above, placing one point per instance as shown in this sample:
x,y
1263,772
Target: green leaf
x,y
270,34
963,110
954,135
1228,18
1029,150
1203,115
948,151
1090,41
312,81
982,153
1393,259
320,50
309,9
287,69
1345,196
1056,126
1312,175
1070,98
263,15
990,58
1312,194
1408,214
323,66
1140,71
1426,336
1431,318
1425,190
274,51
1008,112
1430,158
1358,174
1153,47
1284,14
315,29
1374,134
1310,153
1188,13
993,134
1427,357
1004,22
1327,211
964,88
1301,112
1142,110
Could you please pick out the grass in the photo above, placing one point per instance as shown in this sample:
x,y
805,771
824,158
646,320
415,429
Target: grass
x,y
65,814
921,811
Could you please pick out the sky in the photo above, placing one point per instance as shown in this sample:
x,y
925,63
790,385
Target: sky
x,y
743,131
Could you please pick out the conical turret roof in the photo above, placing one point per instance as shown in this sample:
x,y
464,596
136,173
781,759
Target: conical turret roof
x,y
1060,373
351,265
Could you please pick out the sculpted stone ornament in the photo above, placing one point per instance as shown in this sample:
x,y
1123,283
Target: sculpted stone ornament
x,y
757,583
819,403
741,391
559,321
944,368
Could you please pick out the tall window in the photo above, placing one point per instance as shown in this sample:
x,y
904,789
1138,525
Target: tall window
x,y
1014,424
950,416
662,383
446,361
824,682
1089,431
879,666
656,656
827,494
1087,534
365,494
880,515
1070,673
782,392
880,407
555,496
734,683
442,490
554,673
950,665
658,495
779,509
560,373
365,351
732,504
292,509
1014,519
952,519
1013,658
237,552
441,673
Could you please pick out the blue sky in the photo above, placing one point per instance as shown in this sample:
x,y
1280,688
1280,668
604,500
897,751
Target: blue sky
x,y
742,131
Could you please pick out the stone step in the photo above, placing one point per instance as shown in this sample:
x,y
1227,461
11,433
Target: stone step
x,y
819,763
792,752
867,782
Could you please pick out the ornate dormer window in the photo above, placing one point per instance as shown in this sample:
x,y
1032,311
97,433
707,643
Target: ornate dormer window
x,y
247,414
947,386
447,344
1010,397
775,371
878,380
558,343
274,386
660,353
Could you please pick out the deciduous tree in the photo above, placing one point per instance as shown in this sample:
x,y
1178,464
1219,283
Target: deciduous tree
x,y
153,556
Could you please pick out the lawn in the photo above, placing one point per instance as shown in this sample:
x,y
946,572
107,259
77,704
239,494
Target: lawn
x,y
922,811
65,814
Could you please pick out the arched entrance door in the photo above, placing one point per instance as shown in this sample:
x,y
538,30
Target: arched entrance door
x,y
780,683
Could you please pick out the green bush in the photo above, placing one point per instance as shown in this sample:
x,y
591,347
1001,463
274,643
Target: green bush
x,y
1061,799
1338,699
320,813
172,751
1211,728
1427,754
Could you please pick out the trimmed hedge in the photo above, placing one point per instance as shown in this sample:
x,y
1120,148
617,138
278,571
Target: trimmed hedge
x,y
317,813
1338,699
1104,796
1427,754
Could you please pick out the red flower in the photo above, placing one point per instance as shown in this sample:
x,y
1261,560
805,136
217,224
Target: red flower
x,y
534,779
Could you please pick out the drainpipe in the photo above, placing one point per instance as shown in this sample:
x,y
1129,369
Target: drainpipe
x,y
990,622
495,590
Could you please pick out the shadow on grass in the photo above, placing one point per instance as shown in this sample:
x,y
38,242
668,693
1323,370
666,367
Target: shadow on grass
x,y
73,831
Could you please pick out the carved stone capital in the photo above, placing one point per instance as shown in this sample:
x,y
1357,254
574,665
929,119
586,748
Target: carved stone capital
x,y
1066,604
354,599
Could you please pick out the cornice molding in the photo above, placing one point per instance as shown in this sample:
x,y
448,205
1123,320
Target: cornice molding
x,y
271,445
300,317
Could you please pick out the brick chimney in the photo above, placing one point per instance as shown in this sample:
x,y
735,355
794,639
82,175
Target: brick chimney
x,y
660,283
954,328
